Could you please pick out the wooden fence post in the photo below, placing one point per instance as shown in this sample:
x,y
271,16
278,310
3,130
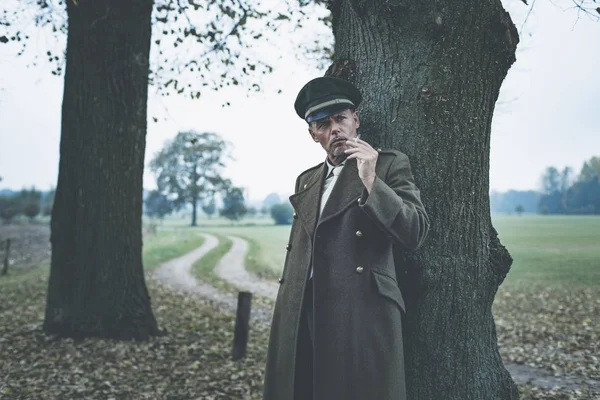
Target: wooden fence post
x,y
5,269
242,324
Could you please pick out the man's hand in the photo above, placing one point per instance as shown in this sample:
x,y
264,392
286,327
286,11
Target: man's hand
x,y
366,159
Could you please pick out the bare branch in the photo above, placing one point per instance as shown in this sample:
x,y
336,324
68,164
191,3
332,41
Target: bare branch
x,y
583,6
196,44
526,17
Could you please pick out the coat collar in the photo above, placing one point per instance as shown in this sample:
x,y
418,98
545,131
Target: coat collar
x,y
306,201
346,191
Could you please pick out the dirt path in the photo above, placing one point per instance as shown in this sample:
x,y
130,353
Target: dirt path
x,y
231,269
177,275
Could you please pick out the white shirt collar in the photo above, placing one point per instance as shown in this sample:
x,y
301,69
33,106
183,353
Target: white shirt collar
x,y
330,166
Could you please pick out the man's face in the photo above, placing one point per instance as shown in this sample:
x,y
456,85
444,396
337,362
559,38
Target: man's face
x,y
333,131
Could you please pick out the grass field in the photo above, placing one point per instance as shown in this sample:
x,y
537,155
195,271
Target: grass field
x,y
559,249
168,244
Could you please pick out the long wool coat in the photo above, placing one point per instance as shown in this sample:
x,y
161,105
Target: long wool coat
x,y
358,350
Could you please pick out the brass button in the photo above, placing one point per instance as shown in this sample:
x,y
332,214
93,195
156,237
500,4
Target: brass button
x,y
359,269
295,215
359,234
288,247
358,201
379,149
280,280
305,185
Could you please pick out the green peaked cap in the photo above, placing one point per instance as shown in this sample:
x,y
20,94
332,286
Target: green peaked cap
x,y
324,96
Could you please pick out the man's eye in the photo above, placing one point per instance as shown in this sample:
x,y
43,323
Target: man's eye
x,y
340,118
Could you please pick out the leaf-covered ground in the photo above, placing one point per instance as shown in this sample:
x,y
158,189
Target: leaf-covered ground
x,y
535,327
553,329
191,362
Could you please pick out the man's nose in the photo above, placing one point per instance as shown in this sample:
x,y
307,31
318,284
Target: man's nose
x,y
334,126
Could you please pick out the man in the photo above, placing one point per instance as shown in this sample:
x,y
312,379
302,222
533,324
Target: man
x,y
336,331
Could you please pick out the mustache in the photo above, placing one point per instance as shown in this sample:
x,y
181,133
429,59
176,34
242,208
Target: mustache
x,y
339,140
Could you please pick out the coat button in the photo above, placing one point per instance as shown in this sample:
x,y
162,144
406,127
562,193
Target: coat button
x,y
295,215
359,269
359,234
379,150
288,247
280,280
305,185
358,201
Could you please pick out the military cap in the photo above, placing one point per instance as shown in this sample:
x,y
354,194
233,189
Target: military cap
x,y
324,96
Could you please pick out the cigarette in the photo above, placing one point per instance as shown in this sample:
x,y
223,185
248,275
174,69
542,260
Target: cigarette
x,y
356,138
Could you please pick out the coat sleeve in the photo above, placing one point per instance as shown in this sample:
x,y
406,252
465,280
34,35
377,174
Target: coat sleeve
x,y
394,204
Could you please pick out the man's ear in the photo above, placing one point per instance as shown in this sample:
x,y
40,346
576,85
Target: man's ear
x,y
313,135
356,118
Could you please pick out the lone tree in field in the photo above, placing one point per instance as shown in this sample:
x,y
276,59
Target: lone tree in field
x,y
31,210
29,197
234,204
189,168
9,208
519,209
209,207
282,213
430,74
157,205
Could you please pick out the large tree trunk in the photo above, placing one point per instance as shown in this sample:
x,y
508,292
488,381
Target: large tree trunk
x,y
430,73
97,285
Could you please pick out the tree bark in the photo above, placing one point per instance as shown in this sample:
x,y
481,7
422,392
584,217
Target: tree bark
x,y
97,285
430,73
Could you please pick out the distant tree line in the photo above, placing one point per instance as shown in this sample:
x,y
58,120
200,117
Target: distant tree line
x,y
28,203
563,194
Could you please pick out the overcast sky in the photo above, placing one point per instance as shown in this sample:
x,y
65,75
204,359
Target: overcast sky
x,y
549,114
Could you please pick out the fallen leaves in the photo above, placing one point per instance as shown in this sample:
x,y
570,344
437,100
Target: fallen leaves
x,y
555,329
191,362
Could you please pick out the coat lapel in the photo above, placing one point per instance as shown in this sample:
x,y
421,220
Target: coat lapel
x,y
306,201
346,191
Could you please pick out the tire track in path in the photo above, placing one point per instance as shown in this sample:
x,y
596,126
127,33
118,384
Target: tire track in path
x,y
231,269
